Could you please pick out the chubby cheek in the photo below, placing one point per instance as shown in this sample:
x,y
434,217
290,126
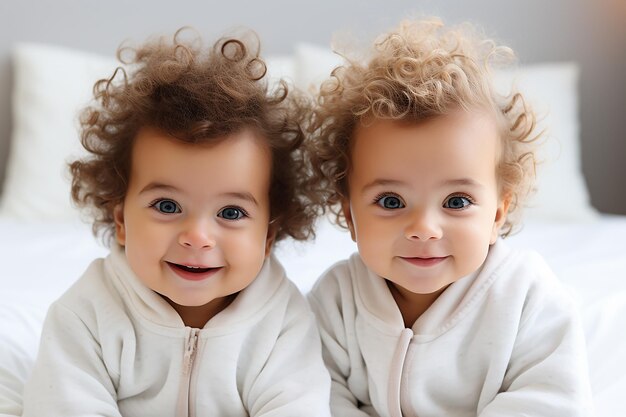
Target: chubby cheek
x,y
472,246
146,240
473,258
146,246
146,265
375,243
374,257
245,250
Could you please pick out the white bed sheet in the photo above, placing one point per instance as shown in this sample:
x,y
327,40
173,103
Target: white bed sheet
x,y
590,259
40,260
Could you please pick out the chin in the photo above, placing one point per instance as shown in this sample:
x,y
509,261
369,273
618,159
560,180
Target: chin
x,y
417,285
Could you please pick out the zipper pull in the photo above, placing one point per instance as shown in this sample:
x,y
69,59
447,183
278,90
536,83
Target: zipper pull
x,y
190,350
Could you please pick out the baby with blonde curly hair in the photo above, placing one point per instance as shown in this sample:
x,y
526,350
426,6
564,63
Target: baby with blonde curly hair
x,y
427,166
195,170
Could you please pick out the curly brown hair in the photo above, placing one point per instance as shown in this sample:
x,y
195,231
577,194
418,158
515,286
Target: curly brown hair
x,y
419,71
197,95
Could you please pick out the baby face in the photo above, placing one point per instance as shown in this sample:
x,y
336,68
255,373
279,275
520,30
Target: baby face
x,y
194,222
423,201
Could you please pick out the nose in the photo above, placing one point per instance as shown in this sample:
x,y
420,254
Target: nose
x,y
197,234
423,225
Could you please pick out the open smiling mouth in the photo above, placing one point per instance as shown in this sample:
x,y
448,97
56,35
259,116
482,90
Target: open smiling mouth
x,y
192,269
192,273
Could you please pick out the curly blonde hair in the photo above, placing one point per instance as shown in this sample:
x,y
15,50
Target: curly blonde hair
x,y
419,71
197,95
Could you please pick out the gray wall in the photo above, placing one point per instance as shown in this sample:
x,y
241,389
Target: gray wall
x,y
590,32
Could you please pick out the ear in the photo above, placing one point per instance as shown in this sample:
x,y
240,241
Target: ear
x,y
500,218
120,228
270,239
347,212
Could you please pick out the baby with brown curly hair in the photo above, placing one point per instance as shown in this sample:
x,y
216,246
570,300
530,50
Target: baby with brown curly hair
x,y
426,165
195,170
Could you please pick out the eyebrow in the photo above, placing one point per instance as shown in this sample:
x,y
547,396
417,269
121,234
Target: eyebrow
x,y
463,181
157,186
381,182
243,195
454,182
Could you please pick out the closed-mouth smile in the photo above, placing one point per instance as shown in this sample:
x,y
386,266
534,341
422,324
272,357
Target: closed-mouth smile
x,y
425,261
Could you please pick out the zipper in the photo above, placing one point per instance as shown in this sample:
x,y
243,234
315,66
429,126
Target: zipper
x,y
191,346
405,394
395,373
189,356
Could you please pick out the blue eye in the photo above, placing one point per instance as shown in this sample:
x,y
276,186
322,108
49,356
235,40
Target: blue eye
x,y
231,213
457,202
166,206
389,202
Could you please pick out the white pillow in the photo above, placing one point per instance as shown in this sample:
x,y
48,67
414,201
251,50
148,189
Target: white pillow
x,y
562,194
51,84
552,90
